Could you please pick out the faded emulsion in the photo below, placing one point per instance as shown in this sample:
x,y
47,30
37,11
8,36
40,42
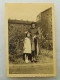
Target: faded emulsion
x,y
30,45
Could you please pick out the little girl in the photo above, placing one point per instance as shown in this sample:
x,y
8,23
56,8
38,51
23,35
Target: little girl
x,y
27,46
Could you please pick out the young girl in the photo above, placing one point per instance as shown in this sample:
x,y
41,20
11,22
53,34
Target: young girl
x,y
27,47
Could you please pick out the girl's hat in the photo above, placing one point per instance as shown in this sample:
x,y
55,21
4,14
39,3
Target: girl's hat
x,y
26,32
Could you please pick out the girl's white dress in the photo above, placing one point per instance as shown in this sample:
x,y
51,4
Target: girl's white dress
x,y
27,45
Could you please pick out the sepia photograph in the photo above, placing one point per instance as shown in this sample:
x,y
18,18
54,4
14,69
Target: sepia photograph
x,y
30,40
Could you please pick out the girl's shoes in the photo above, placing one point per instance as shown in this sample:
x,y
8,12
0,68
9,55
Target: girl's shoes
x,y
34,61
26,61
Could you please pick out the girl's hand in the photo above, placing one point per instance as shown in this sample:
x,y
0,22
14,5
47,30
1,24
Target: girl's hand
x,y
35,36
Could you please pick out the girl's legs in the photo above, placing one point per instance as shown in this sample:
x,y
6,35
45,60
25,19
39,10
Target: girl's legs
x,y
26,57
33,56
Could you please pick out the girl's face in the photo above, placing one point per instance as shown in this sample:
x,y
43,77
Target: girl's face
x,y
28,34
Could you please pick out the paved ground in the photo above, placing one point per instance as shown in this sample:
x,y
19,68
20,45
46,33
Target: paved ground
x,y
35,68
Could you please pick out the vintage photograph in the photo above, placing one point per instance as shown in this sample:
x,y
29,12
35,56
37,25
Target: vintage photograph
x,y
30,44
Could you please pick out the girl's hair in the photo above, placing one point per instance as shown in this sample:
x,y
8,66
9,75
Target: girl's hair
x,y
27,33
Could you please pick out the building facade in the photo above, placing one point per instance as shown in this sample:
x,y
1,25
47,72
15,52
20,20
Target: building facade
x,y
45,22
